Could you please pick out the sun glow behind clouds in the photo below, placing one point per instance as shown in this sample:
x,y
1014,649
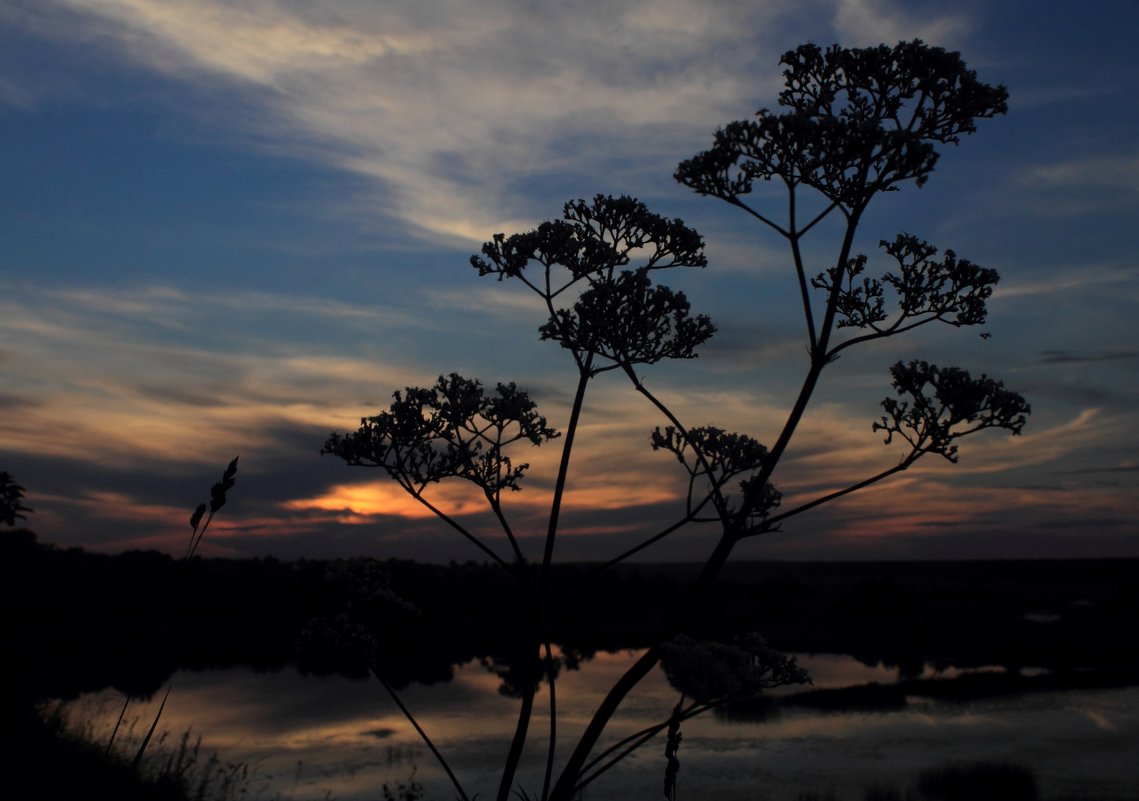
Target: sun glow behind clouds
x,y
437,123
361,502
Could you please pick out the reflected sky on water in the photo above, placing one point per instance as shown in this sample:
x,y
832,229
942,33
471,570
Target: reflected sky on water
x,y
309,736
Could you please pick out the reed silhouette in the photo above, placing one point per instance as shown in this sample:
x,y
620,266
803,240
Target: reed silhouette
x,y
198,525
851,124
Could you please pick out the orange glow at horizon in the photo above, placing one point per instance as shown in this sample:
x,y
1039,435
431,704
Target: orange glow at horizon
x,y
366,500
360,502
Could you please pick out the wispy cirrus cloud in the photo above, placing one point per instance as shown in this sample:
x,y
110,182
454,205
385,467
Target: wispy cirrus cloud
x,y
453,111
870,22
1084,185
1106,171
152,374
441,123
1071,357
1064,278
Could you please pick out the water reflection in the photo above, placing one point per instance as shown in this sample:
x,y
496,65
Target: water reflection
x,y
839,670
308,736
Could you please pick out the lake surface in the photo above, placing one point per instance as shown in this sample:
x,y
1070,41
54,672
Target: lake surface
x,y
311,737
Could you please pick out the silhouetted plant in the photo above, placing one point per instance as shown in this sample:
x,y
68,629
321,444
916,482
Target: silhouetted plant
x,y
11,501
217,501
412,791
853,123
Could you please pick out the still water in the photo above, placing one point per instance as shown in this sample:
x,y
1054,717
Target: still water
x,y
309,737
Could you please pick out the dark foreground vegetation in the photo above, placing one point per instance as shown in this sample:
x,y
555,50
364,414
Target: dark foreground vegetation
x,y
964,781
45,760
86,621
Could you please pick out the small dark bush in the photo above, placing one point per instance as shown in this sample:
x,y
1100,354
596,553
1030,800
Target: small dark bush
x,y
979,781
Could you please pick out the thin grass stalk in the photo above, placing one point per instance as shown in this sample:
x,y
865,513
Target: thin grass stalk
x,y
196,537
217,501
150,732
118,723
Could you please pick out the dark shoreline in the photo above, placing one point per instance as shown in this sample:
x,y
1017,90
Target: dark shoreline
x,y
86,621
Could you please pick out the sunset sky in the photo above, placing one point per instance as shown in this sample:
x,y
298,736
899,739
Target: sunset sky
x,y
233,227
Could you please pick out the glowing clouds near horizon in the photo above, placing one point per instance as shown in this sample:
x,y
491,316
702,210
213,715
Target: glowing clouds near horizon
x,y
358,503
361,503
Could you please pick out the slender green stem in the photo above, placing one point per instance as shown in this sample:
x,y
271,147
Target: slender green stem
x,y
526,709
563,470
634,741
735,201
482,546
150,731
551,679
571,772
498,513
893,330
119,722
804,291
733,530
518,742
196,536
718,498
616,560
834,204
422,734
819,360
800,271
775,519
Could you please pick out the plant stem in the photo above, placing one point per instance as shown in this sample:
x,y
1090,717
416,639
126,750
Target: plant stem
x,y
903,465
551,680
563,471
514,756
422,734
733,530
114,731
153,726
567,782
525,711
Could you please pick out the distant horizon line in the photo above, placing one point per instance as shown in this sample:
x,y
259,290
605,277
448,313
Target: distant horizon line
x,y
672,564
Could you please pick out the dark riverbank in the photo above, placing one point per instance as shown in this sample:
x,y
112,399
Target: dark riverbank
x,y
86,621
